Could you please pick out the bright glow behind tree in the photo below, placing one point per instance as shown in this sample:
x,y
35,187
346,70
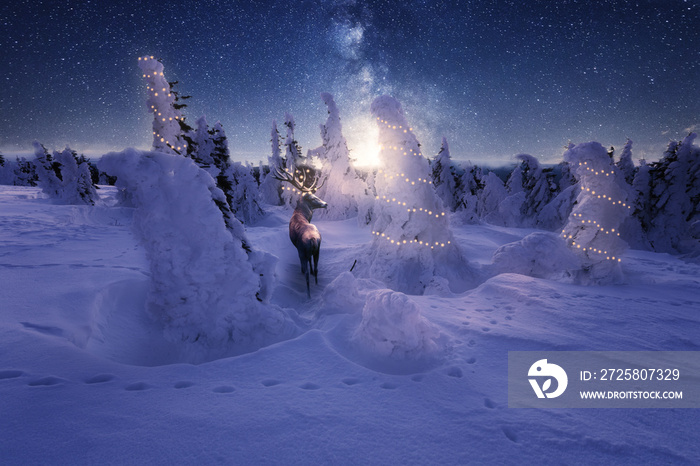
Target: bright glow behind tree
x,y
413,241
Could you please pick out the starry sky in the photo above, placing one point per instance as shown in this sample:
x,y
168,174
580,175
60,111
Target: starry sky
x,y
496,78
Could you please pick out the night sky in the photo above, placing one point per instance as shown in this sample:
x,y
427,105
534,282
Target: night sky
x,y
497,78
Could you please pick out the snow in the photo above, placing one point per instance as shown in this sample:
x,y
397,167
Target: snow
x,y
88,377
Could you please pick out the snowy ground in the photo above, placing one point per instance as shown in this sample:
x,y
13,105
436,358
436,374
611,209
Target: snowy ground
x,y
86,377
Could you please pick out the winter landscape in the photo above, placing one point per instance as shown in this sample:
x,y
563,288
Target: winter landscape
x,y
354,300
161,316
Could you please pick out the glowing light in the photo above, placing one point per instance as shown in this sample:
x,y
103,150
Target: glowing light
x,y
400,242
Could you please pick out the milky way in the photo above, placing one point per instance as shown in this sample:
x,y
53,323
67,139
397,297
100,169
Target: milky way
x,y
496,78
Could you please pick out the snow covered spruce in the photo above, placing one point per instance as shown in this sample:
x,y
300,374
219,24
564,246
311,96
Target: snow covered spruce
x,y
207,285
413,246
167,133
593,228
65,178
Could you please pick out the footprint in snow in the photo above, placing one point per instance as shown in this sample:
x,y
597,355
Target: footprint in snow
x,y
350,381
417,378
389,386
45,381
137,387
10,374
99,378
471,360
270,382
183,384
309,386
510,434
489,403
455,372
224,389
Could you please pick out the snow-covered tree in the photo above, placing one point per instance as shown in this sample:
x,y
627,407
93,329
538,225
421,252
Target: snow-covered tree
x,y
340,185
625,164
206,283
244,195
292,157
25,173
413,241
444,178
7,174
537,187
201,148
62,178
76,180
167,132
47,171
671,204
490,200
270,188
593,228
567,177
470,184
557,211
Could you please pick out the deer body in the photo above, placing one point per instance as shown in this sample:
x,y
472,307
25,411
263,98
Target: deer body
x,y
303,234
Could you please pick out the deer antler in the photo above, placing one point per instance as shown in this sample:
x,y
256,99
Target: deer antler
x,y
298,183
283,175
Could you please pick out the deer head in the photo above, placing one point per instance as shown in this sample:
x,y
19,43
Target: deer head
x,y
307,189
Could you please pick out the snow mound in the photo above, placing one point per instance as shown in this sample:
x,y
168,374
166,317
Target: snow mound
x,y
342,295
539,255
392,326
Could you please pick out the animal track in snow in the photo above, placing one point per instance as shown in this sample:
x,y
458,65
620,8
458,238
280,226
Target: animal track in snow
x,y
45,381
510,434
489,403
309,386
99,378
10,374
137,387
270,382
389,386
224,389
471,360
455,372
183,384
350,381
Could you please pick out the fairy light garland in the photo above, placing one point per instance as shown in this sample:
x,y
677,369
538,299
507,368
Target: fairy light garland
x,y
156,113
398,148
403,177
399,242
584,221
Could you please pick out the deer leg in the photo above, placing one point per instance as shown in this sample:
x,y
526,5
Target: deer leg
x,y
315,270
305,264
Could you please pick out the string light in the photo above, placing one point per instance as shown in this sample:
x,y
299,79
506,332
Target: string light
x,y
399,242
403,177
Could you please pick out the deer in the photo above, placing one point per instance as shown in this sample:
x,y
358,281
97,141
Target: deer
x,y
303,234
